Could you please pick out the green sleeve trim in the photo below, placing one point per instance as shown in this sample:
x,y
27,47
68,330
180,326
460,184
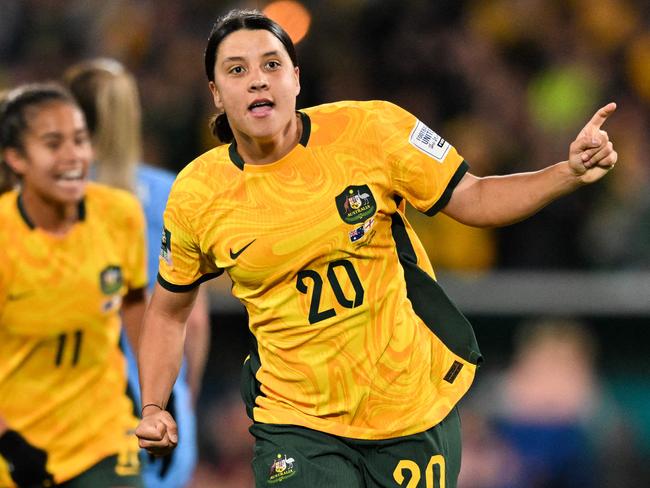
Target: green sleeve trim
x,y
446,195
184,288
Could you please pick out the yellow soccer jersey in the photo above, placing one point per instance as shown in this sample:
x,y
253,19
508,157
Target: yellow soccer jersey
x,y
354,337
62,374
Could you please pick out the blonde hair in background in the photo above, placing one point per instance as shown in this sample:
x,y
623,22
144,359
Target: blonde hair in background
x,y
108,95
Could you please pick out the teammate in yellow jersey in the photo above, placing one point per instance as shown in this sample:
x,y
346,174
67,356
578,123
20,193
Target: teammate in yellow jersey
x,y
71,261
108,95
360,358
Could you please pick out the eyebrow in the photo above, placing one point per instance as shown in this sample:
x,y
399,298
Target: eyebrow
x,y
231,59
50,135
58,134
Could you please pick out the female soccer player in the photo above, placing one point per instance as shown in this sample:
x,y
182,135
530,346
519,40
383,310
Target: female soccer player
x,y
72,260
360,358
108,95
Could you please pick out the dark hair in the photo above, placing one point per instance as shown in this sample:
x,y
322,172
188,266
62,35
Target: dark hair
x,y
16,102
14,118
233,21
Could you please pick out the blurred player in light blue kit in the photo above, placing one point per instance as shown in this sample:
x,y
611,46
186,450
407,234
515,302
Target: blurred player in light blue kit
x,y
108,95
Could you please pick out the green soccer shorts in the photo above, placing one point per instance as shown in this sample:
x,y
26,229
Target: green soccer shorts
x,y
288,456
109,472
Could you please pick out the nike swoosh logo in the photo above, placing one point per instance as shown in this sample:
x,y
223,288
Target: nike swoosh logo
x,y
235,255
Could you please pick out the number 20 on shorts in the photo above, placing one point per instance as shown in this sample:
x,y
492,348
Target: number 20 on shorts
x,y
406,465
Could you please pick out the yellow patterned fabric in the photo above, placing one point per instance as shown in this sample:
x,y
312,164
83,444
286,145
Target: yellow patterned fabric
x,y
321,255
62,374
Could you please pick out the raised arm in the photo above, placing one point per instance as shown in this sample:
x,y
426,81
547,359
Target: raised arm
x,y
160,354
502,200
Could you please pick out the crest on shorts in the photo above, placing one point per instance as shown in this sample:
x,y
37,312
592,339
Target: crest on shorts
x,y
283,467
110,279
356,204
128,459
166,246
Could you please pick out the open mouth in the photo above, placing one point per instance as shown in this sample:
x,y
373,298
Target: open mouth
x,y
71,175
261,106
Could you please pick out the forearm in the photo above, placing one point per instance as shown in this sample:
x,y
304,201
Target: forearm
x,y
197,342
502,200
160,354
496,201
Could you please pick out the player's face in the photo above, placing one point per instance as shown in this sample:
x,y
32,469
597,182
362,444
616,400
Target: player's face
x,y
255,83
56,154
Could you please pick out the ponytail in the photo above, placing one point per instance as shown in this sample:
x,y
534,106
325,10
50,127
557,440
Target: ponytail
x,y
221,128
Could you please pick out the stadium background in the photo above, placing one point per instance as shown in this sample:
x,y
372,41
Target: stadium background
x,y
509,83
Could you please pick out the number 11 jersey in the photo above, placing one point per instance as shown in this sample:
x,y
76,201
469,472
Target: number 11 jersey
x,y
62,374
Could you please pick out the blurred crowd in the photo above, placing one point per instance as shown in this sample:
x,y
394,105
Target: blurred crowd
x,y
509,83
546,419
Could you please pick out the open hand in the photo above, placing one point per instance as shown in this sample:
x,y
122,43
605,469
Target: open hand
x,y
591,154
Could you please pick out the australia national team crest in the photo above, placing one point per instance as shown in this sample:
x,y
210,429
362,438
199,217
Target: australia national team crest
x,y
356,204
110,280
283,467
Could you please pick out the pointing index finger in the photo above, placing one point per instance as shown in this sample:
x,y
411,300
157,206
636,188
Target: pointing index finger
x,y
601,116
